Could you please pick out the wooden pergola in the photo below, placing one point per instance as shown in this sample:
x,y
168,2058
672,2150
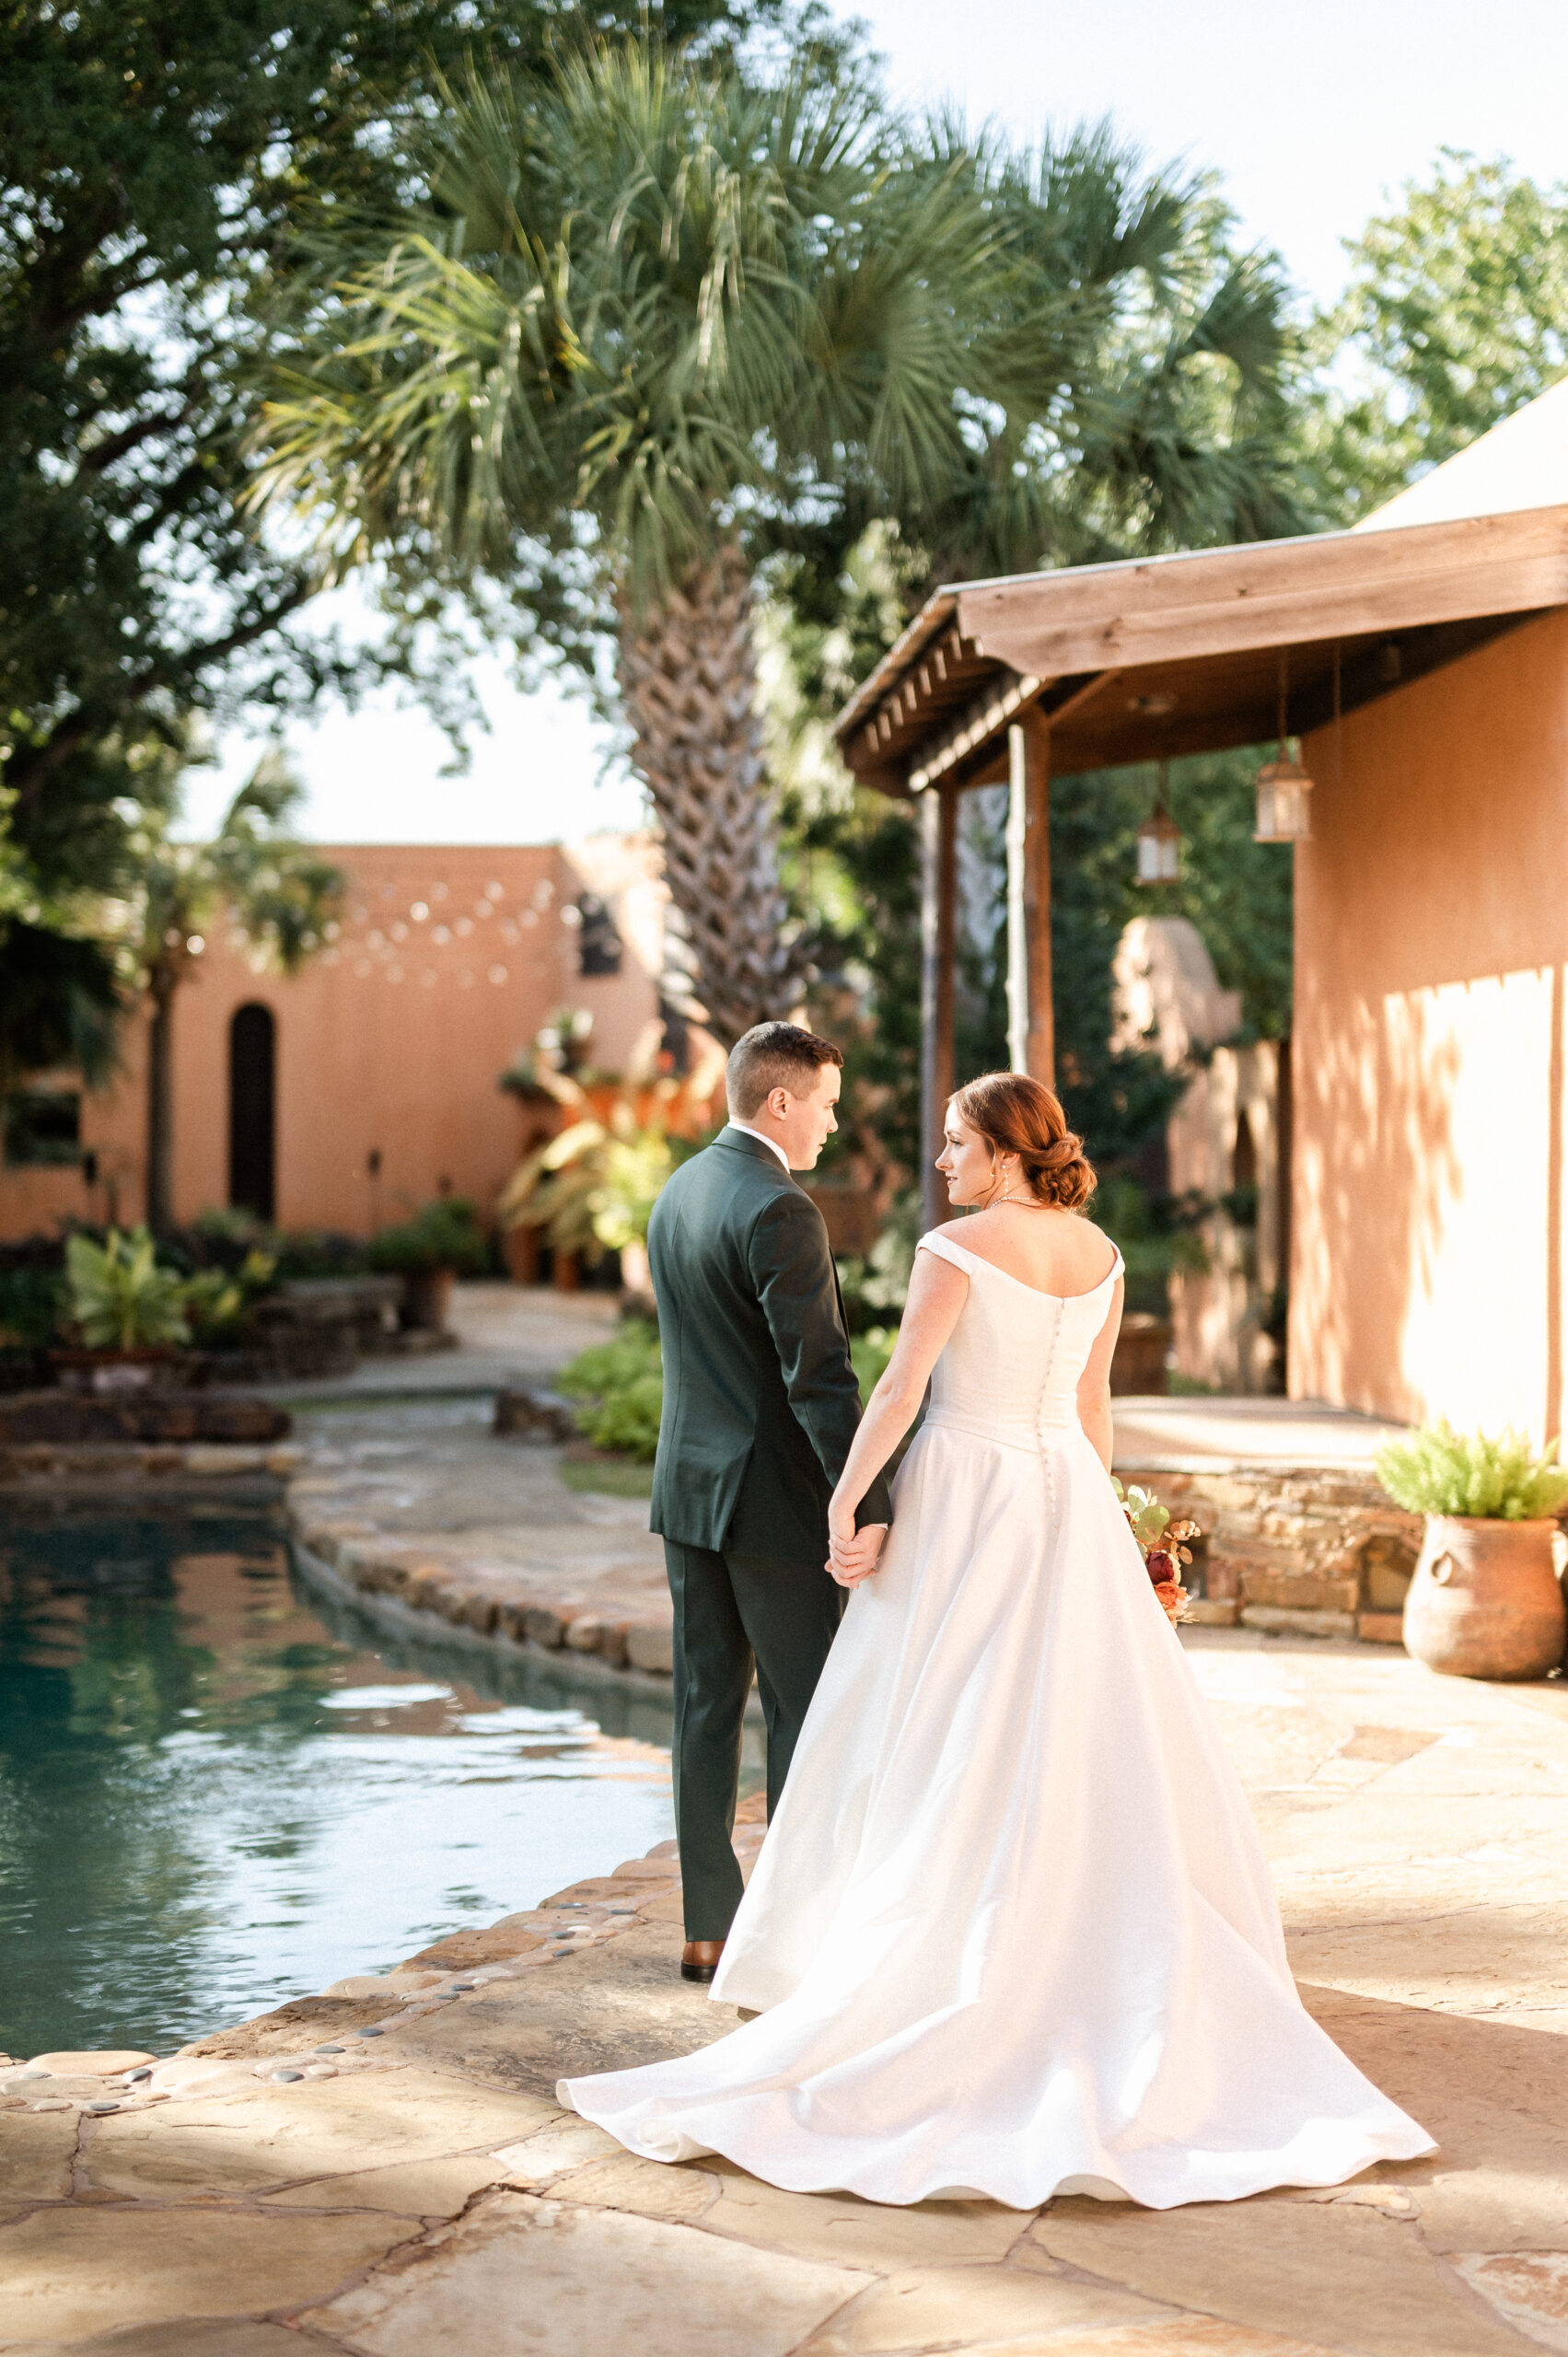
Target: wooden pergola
x,y
1095,667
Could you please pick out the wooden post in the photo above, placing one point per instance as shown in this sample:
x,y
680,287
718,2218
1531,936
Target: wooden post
x,y
1031,1028
938,917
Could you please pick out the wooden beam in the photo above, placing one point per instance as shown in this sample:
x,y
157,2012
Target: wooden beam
x,y
1340,584
938,947
985,718
1031,1044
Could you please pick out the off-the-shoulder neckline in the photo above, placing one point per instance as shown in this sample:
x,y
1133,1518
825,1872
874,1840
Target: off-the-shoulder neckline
x,y
1039,1291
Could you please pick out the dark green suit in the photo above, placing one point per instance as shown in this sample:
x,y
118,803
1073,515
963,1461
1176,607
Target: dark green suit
x,y
761,1404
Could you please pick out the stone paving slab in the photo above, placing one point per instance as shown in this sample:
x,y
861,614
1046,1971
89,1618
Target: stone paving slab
x,y
417,2189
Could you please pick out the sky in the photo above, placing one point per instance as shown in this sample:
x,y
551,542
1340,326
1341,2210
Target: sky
x,y
1313,118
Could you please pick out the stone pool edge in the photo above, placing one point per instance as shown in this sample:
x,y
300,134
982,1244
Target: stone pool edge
x,y
390,1612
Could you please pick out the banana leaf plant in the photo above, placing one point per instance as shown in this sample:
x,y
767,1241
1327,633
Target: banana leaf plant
x,y
591,1189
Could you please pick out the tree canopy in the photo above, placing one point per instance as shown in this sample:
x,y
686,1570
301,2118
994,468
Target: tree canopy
x,y
157,164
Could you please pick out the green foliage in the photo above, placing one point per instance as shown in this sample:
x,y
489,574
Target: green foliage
x,y
121,1297
869,1353
32,1306
1153,1238
1457,313
1438,1471
621,1384
160,158
216,1302
444,1235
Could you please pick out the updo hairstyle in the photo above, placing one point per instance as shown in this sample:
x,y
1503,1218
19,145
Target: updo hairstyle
x,y
1017,1115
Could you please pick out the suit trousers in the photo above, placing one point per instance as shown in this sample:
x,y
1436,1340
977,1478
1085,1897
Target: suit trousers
x,y
732,1612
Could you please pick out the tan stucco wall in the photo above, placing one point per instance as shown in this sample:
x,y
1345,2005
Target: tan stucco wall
x,y
1430,931
381,1044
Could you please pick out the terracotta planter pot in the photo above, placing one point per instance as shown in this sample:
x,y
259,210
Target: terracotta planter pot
x,y
427,1298
1486,1600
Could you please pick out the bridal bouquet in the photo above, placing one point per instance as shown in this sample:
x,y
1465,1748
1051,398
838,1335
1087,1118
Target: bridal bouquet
x,y
1163,1543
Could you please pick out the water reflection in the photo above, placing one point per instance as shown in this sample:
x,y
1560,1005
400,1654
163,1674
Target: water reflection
x,y
217,1791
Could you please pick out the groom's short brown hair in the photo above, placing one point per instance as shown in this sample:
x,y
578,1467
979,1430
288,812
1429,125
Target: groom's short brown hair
x,y
775,1055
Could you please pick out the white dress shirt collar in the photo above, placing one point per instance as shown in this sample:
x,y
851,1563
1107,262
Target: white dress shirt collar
x,y
747,1130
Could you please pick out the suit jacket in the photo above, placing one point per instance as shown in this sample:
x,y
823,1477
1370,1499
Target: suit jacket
x,y
760,1403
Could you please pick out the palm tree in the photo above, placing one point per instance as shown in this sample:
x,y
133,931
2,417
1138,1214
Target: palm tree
x,y
277,897
655,325
649,311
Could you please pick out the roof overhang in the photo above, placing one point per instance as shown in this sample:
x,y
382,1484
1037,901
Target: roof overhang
x,y
1184,654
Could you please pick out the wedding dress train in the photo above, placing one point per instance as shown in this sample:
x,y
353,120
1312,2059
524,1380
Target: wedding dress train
x,y
1012,1932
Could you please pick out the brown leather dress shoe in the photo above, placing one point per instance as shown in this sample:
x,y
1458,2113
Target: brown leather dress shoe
x,y
700,1959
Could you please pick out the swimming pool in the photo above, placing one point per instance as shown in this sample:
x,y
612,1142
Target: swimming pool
x,y
218,1791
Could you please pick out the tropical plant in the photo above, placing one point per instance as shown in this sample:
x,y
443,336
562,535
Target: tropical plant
x,y
1504,1477
592,1188
621,1384
445,1235
276,896
121,1297
216,1300
655,318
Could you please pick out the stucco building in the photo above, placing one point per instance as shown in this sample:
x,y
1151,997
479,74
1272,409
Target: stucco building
x,y
1424,657
353,1092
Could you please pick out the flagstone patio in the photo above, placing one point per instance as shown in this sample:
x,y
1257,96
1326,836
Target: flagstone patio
x,y
297,2185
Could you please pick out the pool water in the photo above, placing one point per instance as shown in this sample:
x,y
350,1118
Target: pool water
x,y
218,1791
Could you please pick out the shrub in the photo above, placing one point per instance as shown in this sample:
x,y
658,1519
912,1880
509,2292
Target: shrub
x,y
622,1384
32,1308
1438,1471
444,1235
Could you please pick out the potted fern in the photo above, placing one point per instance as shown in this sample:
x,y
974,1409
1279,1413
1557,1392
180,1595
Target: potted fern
x,y
1487,1600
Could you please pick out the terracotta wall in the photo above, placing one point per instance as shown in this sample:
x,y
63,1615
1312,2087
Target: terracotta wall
x,y
1432,927
391,1040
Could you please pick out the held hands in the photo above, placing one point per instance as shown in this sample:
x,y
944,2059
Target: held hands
x,y
852,1554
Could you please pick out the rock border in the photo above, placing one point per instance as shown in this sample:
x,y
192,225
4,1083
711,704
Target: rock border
x,y
351,1575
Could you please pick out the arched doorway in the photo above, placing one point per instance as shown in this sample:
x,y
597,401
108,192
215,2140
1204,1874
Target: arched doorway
x,y
253,1078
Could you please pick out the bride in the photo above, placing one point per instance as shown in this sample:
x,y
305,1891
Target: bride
x,y
1011,1932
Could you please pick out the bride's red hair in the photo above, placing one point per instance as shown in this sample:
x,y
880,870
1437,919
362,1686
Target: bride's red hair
x,y
1017,1115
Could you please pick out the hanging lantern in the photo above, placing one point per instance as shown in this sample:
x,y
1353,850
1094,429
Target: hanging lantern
x,y
1284,813
1159,840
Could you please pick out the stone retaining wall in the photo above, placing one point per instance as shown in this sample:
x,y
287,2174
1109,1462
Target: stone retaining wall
x,y
1317,1549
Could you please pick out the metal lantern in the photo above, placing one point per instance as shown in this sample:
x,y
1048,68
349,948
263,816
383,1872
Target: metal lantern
x,y
1285,810
1159,841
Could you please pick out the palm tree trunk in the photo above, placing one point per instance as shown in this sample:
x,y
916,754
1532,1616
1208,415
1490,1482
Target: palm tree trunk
x,y
689,682
160,1103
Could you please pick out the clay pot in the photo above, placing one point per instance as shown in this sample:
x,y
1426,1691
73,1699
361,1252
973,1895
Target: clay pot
x,y
1486,1600
427,1299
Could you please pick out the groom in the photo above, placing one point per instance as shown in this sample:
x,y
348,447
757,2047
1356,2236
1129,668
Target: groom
x,y
761,1404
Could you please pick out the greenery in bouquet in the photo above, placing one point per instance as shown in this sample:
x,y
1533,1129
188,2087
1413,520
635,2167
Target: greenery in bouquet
x,y
1165,1545
1501,1478
620,1384
444,1235
121,1296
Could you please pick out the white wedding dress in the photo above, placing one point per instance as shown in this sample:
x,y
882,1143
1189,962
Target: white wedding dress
x,y
1012,1932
